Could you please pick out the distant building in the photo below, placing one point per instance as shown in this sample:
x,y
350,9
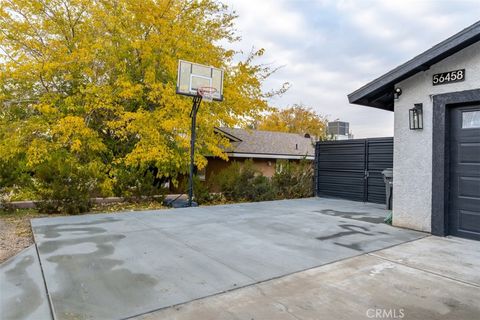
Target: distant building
x,y
265,148
339,130
268,151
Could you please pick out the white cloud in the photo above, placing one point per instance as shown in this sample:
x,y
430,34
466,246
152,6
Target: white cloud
x,y
330,48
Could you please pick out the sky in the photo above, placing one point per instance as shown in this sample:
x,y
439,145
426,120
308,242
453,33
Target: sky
x,y
329,48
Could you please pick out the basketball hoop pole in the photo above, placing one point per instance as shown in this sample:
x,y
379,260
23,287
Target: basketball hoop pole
x,y
203,83
196,105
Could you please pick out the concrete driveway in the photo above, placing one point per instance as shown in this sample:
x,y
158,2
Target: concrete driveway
x,y
129,264
428,279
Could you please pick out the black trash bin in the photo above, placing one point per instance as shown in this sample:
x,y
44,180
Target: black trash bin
x,y
388,179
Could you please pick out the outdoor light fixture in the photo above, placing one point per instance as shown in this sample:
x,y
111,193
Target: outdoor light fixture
x,y
415,116
397,93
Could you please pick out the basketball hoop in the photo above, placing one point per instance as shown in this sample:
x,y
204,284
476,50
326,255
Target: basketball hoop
x,y
207,93
201,82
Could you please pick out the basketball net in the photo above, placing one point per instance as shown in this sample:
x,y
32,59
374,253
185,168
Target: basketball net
x,y
206,93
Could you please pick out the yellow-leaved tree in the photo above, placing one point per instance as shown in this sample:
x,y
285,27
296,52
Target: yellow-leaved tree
x,y
87,93
295,119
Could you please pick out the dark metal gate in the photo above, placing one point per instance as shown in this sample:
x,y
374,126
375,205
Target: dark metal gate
x,y
352,169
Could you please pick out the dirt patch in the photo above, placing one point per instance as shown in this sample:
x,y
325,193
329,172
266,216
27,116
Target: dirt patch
x,y
15,235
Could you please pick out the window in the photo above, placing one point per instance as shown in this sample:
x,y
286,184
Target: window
x,y
471,119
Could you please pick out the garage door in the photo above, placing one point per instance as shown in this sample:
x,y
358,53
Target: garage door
x,y
464,196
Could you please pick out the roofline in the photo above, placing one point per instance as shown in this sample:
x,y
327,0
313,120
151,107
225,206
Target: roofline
x,y
356,140
269,156
382,87
228,135
248,130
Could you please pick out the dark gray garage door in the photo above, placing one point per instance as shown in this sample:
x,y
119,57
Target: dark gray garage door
x,y
464,204
352,169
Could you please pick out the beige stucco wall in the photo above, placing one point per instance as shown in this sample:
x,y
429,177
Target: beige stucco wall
x,y
265,166
215,165
412,204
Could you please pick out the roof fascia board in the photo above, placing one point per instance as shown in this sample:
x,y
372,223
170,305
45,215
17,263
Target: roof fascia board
x,y
419,63
268,156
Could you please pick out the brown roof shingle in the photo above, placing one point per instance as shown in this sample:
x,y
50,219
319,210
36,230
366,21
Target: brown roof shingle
x,y
270,142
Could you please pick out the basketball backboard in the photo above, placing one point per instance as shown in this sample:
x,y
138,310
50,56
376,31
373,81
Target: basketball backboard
x,y
194,76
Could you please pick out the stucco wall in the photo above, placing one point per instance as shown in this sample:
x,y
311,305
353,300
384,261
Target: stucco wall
x,y
413,148
215,165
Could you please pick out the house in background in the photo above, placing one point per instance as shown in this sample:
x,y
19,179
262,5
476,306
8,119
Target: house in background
x,y
265,148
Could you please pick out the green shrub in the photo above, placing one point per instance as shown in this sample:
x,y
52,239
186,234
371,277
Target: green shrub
x,y
227,180
242,182
15,181
293,179
135,184
65,185
201,191
260,189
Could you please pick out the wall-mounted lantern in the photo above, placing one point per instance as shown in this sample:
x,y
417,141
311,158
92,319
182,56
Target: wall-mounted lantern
x,y
397,93
415,116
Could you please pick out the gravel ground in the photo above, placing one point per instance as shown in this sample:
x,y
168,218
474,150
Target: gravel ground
x,y
15,235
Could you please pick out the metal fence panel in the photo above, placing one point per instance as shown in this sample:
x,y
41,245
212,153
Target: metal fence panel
x,y
351,169
379,157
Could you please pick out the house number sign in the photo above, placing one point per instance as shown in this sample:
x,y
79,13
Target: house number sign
x,y
448,77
